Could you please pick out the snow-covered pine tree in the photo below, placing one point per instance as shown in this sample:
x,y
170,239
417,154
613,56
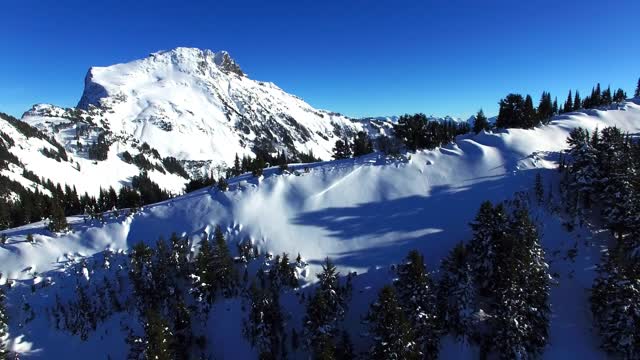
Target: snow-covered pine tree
x,y
4,320
205,273
456,293
389,329
418,297
615,305
326,308
488,228
264,327
158,338
57,221
521,292
226,277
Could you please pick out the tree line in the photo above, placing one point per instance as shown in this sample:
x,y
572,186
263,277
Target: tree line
x,y
492,292
601,180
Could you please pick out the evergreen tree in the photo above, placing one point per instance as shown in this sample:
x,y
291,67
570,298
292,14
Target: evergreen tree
x,y
568,105
417,295
223,185
390,330
615,306
326,308
637,92
480,123
4,328
489,228
577,102
158,337
539,188
457,292
226,278
264,327
619,96
57,222
545,109
529,113
205,275
511,114
362,145
341,150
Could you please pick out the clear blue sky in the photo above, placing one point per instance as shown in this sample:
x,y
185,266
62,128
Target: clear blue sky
x,y
359,57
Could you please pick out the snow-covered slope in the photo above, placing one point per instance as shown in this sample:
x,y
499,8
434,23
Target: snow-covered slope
x,y
364,213
78,170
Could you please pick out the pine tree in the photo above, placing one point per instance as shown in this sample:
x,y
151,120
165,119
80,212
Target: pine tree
x,y
417,296
341,150
539,188
545,109
637,92
619,96
529,113
4,328
344,348
223,185
226,278
568,105
577,102
57,222
489,228
264,327
158,337
205,275
480,122
390,330
615,306
511,113
326,308
237,170
456,292
361,144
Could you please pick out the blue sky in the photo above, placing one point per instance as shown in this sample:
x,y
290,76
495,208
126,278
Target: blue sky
x,y
360,58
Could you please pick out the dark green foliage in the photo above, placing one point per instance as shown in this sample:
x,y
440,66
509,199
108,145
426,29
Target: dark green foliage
x,y
512,280
539,188
223,185
126,157
614,303
480,123
149,191
57,222
99,150
264,327
158,337
417,295
619,96
568,105
389,328
199,183
457,293
637,92
225,276
174,167
417,132
342,150
518,112
4,327
325,310
361,145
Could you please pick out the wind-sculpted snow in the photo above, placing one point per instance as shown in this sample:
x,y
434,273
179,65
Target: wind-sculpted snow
x,y
363,213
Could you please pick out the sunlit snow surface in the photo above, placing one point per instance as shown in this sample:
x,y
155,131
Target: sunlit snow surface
x,y
364,213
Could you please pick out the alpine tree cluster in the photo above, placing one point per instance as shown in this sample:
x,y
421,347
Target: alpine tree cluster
x,y
602,179
360,145
417,132
517,111
495,291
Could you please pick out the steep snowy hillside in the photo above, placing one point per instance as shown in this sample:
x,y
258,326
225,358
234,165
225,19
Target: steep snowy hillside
x,y
364,213
55,152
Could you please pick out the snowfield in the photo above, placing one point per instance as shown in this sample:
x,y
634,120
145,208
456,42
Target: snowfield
x,y
364,213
